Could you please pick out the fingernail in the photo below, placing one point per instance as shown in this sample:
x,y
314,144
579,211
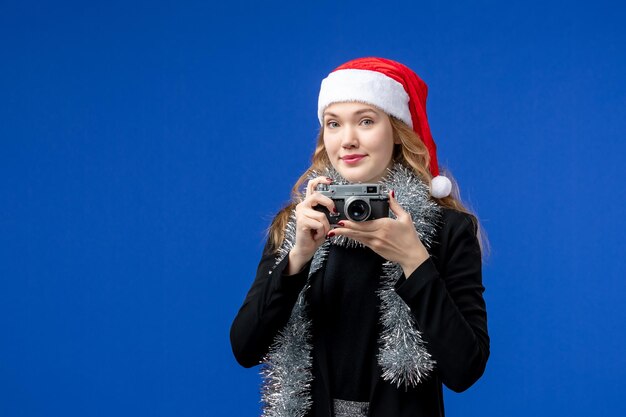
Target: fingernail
x,y
393,193
329,179
335,210
342,224
331,234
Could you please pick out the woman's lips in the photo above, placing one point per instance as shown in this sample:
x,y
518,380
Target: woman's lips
x,y
352,159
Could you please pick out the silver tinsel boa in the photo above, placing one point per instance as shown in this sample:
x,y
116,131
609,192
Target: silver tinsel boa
x,y
403,358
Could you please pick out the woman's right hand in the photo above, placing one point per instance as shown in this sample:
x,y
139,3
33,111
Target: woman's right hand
x,y
311,225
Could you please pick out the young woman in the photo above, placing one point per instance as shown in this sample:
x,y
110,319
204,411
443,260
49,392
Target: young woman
x,y
368,318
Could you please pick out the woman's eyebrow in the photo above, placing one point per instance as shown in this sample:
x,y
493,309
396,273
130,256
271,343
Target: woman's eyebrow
x,y
364,111
358,112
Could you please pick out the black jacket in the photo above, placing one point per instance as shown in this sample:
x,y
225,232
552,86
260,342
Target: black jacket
x,y
444,295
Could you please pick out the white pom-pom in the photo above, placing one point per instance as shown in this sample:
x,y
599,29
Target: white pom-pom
x,y
440,187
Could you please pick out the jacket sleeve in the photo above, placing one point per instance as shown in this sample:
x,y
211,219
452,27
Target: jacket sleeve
x,y
448,305
266,308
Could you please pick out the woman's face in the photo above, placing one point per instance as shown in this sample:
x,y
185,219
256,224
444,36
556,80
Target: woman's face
x,y
359,141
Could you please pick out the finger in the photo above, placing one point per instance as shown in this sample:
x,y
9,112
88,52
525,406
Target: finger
x,y
367,226
357,235
316,228
317,216
395,207
312,184
314,214
317,198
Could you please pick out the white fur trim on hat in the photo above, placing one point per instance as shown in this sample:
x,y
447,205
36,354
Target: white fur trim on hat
x,y
364,86
440,186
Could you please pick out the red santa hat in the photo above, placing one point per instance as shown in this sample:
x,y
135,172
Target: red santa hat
x,y
395,89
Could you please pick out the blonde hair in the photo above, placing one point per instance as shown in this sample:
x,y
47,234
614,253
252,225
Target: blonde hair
x,y
410,152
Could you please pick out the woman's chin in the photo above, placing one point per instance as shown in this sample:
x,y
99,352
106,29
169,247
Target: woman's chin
x,y
356,176
359,179
351,177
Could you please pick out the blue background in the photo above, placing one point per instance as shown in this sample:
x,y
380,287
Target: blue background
x,y
145,147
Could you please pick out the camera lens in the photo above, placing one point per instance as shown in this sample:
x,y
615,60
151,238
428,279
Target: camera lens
x,y
358,210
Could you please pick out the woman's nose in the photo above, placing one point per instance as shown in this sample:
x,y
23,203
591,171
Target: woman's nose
x,y
350,137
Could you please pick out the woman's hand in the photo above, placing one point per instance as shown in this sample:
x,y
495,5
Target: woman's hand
x,y
311,225
394,239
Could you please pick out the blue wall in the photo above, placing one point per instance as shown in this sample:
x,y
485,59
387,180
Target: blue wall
x,y
145,147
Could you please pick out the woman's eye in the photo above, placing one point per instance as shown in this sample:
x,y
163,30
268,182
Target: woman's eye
x,y
332,124
367,121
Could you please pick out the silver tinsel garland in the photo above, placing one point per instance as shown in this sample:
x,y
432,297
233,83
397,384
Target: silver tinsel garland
x,y
287,369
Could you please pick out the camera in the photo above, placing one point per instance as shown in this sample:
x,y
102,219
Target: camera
x,y
356,202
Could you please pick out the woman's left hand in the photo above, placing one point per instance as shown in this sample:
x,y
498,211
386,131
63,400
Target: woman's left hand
x,y
394,239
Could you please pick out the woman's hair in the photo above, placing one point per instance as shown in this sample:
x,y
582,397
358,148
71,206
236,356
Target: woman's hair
x,y
410,152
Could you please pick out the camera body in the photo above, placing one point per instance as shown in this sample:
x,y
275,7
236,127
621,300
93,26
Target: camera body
x,y
356,202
